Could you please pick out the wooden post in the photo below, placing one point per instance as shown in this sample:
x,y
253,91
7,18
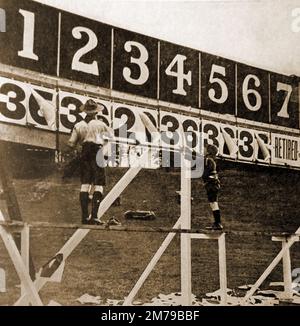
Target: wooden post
x,y
222,268
185,243
287,273
25,252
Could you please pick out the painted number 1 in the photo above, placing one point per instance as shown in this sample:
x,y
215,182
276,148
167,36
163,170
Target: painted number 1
x,y
28,36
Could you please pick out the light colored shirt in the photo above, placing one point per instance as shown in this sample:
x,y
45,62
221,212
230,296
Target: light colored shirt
x,y
94,131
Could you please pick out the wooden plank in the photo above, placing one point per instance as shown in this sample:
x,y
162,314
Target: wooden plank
x,y
27,135
286,237
201,236
20,267
195,233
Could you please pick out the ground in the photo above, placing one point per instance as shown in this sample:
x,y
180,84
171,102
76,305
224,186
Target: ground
x,y
108,263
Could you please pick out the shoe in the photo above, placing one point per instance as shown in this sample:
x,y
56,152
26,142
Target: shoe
x,y
113,221
97,222
215,227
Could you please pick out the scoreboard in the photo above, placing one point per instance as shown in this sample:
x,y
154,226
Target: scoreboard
x,y
251,114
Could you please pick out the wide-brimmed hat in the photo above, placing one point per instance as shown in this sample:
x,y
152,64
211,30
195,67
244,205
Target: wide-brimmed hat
x,y
91,107
211,149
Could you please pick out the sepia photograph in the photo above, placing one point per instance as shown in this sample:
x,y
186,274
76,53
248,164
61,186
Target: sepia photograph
x,y
150,155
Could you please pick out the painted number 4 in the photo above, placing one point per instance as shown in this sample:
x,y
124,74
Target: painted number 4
x,y
179,74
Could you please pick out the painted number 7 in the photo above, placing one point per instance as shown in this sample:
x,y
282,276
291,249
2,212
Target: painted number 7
x,y
283,113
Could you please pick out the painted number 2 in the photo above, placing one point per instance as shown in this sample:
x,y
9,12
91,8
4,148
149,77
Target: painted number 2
x,y
89,68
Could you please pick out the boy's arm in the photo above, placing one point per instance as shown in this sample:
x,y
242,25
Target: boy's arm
x,y
109,132
73,140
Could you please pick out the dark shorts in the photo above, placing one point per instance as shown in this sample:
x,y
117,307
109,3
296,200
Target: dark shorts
x,y
212,191
90,172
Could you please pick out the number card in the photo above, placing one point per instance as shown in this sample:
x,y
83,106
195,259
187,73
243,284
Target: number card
x,y
31,36
135,63
263,146
131,130
217,84
85,50
221,135
285,150
42,108
171,134
70,114
173,128
246,143
228,141
211,133
179,74
13,101
284,101
26,104
252,94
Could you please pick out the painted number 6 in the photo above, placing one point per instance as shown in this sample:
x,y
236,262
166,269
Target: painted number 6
x,y
247,92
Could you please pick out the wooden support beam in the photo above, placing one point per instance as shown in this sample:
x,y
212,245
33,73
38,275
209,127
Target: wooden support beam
x,y
128,300
270,268
20,267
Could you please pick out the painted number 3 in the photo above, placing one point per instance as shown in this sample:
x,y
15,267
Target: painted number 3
x,y
140,61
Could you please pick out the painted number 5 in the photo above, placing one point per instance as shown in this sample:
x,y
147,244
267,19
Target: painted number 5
x,y
140,61
212,93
